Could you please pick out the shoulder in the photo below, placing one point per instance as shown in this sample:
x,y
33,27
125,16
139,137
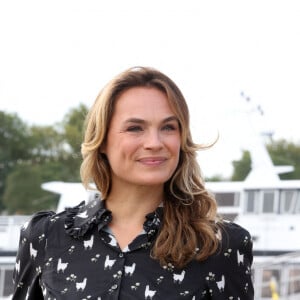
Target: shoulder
x,y
33,236
74,221
229,268
235,235
36,226
235,242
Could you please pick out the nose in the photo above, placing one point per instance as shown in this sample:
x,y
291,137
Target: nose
x,y
153,140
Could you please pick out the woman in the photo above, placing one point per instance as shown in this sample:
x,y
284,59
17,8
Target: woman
x,y
155,233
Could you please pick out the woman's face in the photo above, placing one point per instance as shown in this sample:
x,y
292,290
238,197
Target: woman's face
x,y
143,140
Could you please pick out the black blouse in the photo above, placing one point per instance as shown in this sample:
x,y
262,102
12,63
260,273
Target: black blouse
x,y
73,255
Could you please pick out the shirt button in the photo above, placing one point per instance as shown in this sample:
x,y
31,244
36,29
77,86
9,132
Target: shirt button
x,y
121,254
114,287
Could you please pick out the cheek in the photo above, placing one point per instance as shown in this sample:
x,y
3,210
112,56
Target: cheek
x,y
175,145
178,151
175,149
123,148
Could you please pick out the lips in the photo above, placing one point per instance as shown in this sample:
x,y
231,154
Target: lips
x,y
152,161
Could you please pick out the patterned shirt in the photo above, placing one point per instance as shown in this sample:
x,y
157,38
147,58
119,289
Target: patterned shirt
x,y
72,255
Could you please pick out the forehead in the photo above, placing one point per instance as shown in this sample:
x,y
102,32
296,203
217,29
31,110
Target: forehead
x,y
144,101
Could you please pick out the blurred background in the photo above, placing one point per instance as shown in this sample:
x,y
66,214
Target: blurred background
x,y
229,58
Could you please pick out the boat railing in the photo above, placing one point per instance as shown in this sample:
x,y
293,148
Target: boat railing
x,y
277,277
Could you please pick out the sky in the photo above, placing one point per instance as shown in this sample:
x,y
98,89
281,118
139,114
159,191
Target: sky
x,y
57,54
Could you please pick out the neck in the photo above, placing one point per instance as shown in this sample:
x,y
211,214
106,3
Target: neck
x,y
129,206
133,203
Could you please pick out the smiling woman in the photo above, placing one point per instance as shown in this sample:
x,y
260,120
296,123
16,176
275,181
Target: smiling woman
x,y
143,140
155,233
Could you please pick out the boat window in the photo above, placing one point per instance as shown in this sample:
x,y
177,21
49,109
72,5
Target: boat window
x,y
269,203
227,199
251,200
288,201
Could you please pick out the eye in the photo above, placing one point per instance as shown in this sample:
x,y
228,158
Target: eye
x,y
134,128
170,127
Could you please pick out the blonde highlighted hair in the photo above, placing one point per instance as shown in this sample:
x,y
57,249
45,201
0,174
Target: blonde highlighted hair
x,y
189,219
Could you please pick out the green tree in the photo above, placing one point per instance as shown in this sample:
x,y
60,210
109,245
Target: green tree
x,y
282,152
286,153
52,153
73,127
14,146
241,167
23,193
47,142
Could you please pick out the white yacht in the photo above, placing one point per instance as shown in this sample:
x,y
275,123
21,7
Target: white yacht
x,y
270,209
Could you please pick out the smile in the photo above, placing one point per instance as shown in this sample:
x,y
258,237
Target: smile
x,y
152,161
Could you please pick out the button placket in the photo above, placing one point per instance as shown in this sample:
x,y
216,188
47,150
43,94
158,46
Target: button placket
x,y
117,276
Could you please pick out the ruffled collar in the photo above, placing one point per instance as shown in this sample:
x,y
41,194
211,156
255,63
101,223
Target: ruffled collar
x,y
83,217
153,221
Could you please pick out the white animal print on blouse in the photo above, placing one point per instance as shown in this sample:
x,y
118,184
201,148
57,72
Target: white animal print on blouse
x,y
178,278
149,294
129,270
83,215
108,262
88,244
33,252
240,258
113,242
221,284
17,266
61,266
80,286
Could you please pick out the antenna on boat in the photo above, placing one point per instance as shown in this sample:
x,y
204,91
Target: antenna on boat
x,y
262,167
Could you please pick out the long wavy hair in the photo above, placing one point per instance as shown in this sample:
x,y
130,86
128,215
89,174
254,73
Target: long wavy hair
x,y
189,224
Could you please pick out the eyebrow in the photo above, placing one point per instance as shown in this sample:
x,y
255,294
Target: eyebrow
x,y
141,121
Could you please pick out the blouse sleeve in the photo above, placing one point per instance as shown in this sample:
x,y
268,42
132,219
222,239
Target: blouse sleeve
x,y
30,256
233,264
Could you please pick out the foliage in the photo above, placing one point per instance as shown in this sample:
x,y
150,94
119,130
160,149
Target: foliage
x,y
286,153
23,194
32,155
282,152
14,146
13,134
216,178
73,127
241,167
46,142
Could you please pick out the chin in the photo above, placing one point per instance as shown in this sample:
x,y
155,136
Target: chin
x,y
154,181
